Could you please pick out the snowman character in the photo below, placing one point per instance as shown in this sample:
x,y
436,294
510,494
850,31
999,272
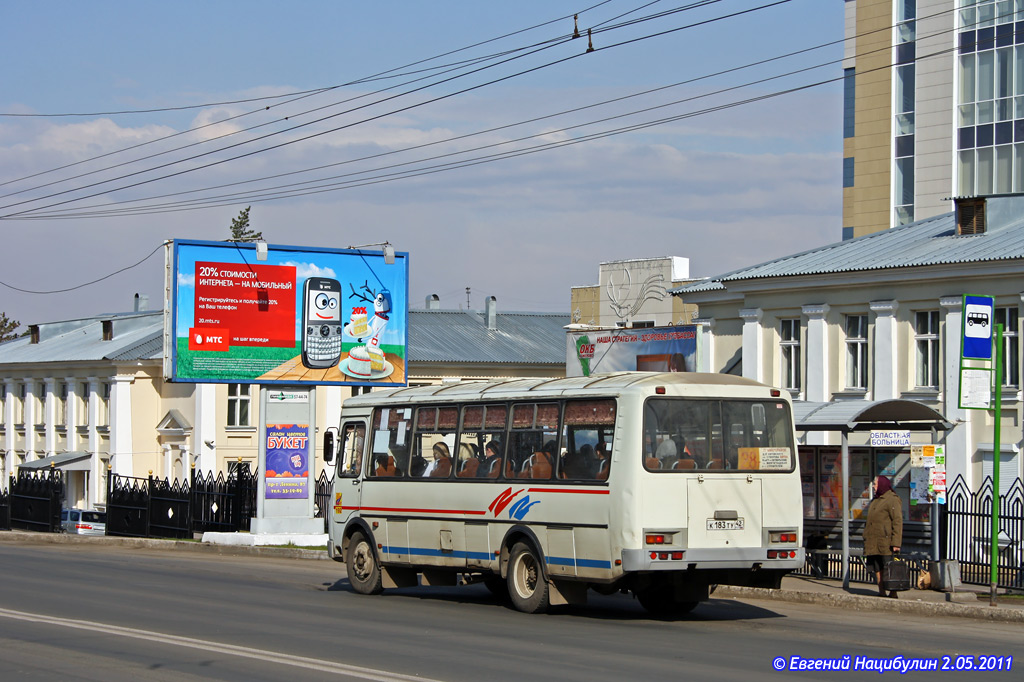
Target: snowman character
x,y
381,308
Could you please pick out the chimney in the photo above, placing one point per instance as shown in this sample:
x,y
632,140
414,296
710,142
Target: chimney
x,y
141,303
491,310
433,302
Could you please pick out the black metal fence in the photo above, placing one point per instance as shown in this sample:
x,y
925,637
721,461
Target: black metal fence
x,y
968,533
323,494
223,504
35,500
154,507
5,510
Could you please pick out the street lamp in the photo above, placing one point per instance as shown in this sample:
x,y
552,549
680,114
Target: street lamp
x,y
386,248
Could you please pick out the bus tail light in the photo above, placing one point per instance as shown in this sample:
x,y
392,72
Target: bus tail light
x,y
655,539
782,537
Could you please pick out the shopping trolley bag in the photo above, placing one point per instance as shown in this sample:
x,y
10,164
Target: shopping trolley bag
x,y
896,575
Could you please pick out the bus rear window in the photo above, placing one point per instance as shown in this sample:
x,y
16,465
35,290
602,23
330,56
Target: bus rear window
x,y
716,435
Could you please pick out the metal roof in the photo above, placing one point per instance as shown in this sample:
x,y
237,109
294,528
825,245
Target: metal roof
x,y
463,337
82,341
449,336
851,415
932,241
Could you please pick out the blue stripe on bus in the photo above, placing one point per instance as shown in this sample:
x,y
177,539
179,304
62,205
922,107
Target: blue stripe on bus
x,y
579,563
420,551
485,556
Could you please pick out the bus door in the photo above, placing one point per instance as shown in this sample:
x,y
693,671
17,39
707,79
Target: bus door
x,y
347,489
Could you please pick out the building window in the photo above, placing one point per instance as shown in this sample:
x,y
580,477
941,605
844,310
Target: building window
x,y
104,416
849,101
926,336
83,405
19,417
238,404
990,99
62,405
3,405
790,346
857,352
1011,349
848,172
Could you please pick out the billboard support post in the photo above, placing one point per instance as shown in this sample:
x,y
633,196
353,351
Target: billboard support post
x,y
286,486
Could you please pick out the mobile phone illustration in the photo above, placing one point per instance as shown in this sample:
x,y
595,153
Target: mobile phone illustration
x,y
321,313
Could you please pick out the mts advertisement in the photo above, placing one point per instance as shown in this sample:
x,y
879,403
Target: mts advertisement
x,y
302,315
651,349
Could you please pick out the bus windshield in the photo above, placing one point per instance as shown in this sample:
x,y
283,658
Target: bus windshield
x,y
714,435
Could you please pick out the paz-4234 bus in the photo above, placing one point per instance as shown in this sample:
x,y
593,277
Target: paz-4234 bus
x,y
659,484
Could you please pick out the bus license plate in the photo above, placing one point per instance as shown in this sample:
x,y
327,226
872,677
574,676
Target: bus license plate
x,y
733,524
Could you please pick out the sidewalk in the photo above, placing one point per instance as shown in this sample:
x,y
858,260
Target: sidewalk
x,y
970,601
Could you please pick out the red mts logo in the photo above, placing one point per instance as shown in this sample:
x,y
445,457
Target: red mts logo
x,y
209,338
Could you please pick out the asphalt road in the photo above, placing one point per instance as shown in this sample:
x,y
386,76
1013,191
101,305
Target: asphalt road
x,y
75,612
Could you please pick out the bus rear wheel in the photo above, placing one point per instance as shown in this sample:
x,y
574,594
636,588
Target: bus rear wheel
x,y
527,587
363,571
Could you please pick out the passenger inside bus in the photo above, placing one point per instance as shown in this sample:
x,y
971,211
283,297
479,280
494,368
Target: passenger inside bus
x,y
575,464
441,465
491,466
601,463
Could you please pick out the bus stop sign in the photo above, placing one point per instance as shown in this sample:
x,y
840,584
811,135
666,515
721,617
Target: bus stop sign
x,y
977,327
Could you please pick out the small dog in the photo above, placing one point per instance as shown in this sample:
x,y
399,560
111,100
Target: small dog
x,y
924,580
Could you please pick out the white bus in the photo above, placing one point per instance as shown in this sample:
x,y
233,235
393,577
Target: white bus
x,y
661,484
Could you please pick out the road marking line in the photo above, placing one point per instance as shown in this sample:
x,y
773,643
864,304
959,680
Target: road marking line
x,y
230,649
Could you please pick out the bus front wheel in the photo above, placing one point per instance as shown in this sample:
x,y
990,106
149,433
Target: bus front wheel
x,y
361,564
527,587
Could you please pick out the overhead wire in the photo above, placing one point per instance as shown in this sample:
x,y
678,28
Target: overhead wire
x,y
349,125
274,193
296,97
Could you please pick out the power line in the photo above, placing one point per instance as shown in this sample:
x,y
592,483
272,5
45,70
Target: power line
x,y
390,73
402,109
62,291
271,193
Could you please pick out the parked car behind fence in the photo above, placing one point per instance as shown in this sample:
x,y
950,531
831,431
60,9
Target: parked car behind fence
x,y
83,522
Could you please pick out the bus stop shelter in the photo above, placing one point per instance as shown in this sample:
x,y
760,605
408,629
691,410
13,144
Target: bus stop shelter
x,y
848,416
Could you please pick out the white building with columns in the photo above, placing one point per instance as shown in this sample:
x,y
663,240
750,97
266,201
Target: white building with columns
x,y
875,318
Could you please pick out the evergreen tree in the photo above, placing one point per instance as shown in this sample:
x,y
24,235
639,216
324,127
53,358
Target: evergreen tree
x,y
240,227
8,328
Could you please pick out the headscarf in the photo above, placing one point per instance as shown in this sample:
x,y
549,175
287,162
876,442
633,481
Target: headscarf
x,y
883,486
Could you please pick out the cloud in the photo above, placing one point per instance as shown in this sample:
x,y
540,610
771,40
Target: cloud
x,y
305,270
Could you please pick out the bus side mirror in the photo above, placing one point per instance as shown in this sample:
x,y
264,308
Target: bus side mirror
x,y
329,436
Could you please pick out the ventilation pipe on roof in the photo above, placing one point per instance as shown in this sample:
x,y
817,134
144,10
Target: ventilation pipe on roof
x,y
433,302
491,312
141,303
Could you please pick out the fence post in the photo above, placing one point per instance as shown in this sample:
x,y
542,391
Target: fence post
x,y
149,502
236,509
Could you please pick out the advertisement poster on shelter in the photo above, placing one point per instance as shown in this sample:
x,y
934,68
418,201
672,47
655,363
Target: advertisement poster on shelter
x,y
287,474
302,315
650,349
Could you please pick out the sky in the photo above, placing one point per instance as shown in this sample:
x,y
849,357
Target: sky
x,y
475,137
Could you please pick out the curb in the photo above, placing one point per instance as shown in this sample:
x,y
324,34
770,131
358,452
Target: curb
x,y
859,603
30,538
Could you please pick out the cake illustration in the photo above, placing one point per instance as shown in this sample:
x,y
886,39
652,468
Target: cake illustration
x,y
376,358
359,362
357,323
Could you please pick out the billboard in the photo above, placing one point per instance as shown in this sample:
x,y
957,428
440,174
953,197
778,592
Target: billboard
x,y
303,315
650,349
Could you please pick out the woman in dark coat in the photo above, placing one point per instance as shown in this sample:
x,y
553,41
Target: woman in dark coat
x,y
883,532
